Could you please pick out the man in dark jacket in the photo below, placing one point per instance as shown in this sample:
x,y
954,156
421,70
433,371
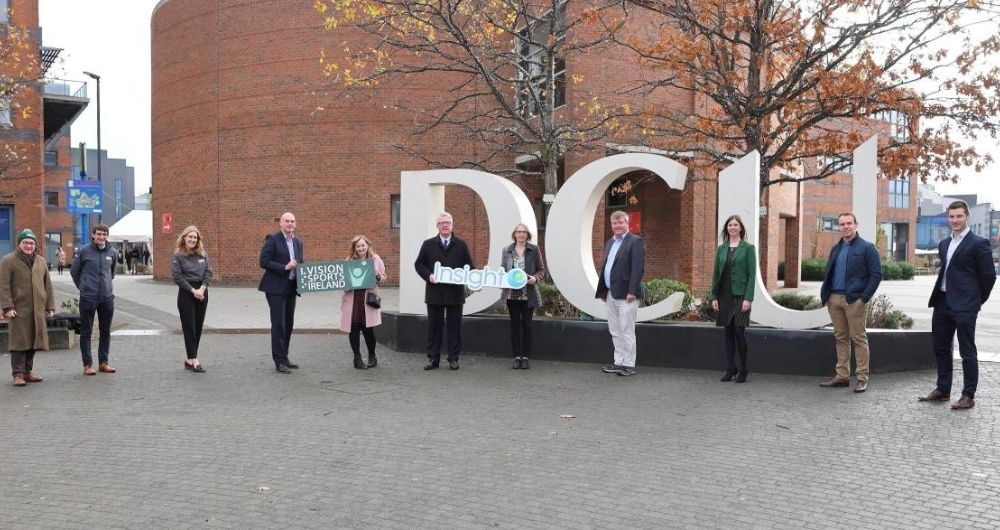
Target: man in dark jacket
x,y
93,270
443,299
964,283
619,284
279,256
853,273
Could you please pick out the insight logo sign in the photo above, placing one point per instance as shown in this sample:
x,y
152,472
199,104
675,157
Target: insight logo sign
x,y
476,279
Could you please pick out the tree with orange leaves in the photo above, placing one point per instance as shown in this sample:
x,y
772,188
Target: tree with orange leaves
x,y
18,74
500,66
798,81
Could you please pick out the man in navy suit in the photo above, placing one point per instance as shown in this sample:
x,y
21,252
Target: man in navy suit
x,y
443,298
619,284
279,256
963,285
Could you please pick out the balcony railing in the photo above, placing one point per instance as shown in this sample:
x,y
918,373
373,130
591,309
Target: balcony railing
x,y
63,87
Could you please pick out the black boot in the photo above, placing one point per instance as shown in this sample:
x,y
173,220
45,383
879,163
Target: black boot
x,y
372,360
728,376
358,363
742,377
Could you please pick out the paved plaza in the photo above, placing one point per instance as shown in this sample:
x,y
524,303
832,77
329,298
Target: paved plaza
x,y
562,445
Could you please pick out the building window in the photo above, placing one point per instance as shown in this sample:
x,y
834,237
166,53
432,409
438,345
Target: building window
x,y
534,74
841,164
4,11
827,223
618,193
394,211
899,193
52,198
5,112
51,158
899,124
118,198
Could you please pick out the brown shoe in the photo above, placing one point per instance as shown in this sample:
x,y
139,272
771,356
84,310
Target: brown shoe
x,y
860,386
935,395
32,378
835,381
89,370
106,368
19,381
964,403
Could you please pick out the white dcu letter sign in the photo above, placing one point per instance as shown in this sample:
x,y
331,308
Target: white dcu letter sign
x,y
569,232
739,190
422,194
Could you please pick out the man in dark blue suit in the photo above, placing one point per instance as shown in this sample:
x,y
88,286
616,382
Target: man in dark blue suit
x,y
444,300
963,285
619,284
279,256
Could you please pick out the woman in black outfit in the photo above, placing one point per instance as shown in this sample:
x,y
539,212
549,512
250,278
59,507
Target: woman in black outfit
x,y
191,272
733,281
521,303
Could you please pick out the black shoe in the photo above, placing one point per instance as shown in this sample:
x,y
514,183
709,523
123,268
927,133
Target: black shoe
x,y
188,366
742,377
432,365
728,376
358,363
283,369
626,371
198,369
372,360
516,365
453,365
291,365
524,363
611,368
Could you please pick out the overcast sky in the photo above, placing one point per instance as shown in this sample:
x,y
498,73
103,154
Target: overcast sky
x,y
111,38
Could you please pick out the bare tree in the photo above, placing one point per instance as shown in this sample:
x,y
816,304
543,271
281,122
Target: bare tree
x,y
500,65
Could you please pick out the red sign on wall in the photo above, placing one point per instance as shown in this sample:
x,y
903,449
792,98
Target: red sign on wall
x,y
635,222
167,224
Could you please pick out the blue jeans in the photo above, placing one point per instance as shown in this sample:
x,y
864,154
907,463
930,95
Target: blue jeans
x,y
105,309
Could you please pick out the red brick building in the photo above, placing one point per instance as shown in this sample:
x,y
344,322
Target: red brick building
x,y
245,127
35,125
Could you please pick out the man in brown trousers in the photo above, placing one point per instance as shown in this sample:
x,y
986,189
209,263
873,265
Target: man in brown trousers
x,y
26,298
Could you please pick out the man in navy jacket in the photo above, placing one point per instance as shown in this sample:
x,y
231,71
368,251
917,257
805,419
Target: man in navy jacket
x,y
619,284
444,300
279,256
853,273
964,283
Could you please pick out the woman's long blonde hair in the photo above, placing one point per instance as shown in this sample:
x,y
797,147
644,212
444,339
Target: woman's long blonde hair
x,y
354,241
199,249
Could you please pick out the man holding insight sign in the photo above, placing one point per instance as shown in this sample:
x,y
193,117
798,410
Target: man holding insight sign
x,y
444,300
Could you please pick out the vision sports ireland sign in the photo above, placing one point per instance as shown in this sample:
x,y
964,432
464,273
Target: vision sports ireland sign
x,y
569,232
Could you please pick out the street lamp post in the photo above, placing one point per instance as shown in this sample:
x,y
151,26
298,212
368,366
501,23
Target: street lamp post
x,y
97,78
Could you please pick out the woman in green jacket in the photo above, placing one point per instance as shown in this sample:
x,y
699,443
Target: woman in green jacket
x,y
733,280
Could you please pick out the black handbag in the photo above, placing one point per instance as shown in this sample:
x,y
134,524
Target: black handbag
x,y
373,300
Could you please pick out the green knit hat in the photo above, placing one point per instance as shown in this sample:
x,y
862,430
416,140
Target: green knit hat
x,y
26,234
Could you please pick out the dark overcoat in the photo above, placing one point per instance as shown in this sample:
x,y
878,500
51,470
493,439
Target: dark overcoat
x,y
28,290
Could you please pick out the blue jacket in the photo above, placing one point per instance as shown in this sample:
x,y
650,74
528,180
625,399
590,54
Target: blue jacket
x,y
93,269
970,276
864,270
273,258
626,271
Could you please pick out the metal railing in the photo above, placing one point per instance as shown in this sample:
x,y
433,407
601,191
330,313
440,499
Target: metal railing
x,y
64,87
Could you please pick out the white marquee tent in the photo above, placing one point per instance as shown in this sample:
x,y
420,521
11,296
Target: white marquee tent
x,y
135,227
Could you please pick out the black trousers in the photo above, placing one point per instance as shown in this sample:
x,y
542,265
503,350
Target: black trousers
x,y
192,312
437,315
282,320
357,329
520,327
736,338
944,325
105,310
